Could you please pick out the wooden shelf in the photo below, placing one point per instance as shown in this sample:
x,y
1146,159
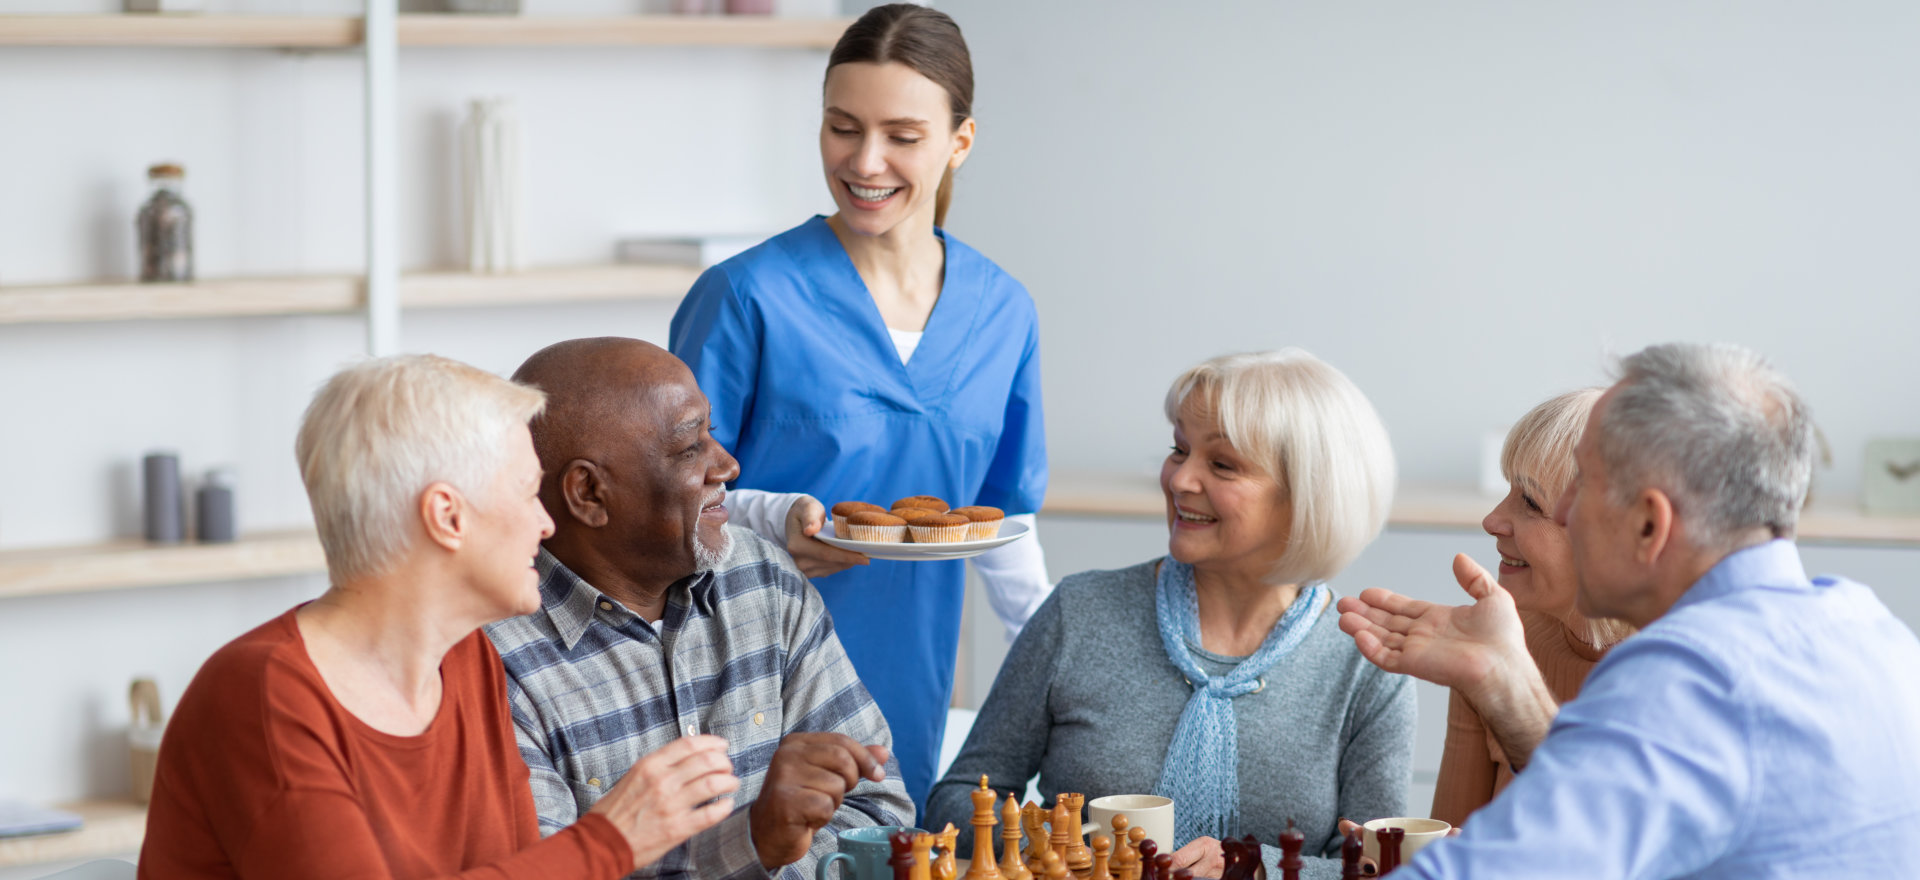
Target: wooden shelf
x,y
435,290
230,297
340,32
1426,507
133,563
638,30
181,30
335,294
113,827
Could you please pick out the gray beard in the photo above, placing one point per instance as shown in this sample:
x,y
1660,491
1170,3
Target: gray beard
x,y
709,558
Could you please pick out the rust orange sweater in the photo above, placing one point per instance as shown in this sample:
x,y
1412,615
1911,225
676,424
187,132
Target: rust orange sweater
x,y
263,774
1473,768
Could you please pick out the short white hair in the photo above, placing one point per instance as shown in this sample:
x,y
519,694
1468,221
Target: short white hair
x,y
1307,426
383,430
1719,430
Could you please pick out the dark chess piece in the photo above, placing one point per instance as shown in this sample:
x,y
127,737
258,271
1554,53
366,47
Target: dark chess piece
x,y
1291,841
1147,851
1390,840
902,859
1351,848
1163,866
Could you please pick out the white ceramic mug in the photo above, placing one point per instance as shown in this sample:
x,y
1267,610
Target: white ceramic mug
x,y
1420,832
1149,811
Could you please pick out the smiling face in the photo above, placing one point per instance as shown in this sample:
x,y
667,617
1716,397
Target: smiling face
x,y
1536,557
1224,513
509,522
675,500
886,139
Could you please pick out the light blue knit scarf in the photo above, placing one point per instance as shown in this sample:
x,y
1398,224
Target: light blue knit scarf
x,y
1202,770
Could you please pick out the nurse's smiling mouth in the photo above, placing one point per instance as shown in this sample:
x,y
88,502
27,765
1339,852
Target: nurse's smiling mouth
x,y
869,198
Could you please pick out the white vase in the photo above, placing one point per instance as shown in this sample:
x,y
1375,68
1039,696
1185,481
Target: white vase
x,y
490,154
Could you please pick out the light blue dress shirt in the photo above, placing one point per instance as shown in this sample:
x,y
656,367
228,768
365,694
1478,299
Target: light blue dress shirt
x,y
1766,726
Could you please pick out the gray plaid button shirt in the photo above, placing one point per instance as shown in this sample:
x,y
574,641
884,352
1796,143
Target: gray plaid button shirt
x,y
746,652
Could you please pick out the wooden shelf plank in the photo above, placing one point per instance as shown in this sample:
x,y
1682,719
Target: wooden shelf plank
x,y
113,827
132,563
1427,507
337,294
431,290
339,32
199,299
184,30
632,30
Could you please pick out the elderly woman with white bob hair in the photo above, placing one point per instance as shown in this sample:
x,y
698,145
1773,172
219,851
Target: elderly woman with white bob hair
x,y
1217,675
367,734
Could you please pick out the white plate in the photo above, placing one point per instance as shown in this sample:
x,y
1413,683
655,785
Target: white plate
x,y
1009,532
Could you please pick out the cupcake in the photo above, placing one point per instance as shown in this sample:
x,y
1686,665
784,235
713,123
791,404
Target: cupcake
x,y
985,521
847,508
912,514
942,528
875,526
927,501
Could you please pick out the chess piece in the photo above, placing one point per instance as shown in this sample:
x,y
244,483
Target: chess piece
x,y
1079,858
1054,866
1102,847
1148,852
946,867
1015,867
1291,840
1057,826
1163,866
1035,819
922,856
1120,825
1256,868
1351,848
1233,860
902,859
1182,874
1136,857
983,867
1390,840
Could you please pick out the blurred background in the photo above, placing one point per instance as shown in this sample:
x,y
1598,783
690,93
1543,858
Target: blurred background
x,y
1466,206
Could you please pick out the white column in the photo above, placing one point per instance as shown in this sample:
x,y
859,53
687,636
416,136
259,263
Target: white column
x,y
383,267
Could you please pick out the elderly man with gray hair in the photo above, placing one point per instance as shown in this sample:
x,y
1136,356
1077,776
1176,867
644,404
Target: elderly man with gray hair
x,y
1762,724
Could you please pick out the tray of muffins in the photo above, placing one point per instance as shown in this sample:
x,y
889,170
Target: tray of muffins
x,y
919,528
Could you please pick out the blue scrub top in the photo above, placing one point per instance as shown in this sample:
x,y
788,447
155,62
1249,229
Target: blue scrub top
x,y
809,393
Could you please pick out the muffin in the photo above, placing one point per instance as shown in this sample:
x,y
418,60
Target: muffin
x,y
927,501
875,526
941,528
912,514
985,521
846,508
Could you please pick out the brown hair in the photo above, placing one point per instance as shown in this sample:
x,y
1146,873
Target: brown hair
x,y
926,40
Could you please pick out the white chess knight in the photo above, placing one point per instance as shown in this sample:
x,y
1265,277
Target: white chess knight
x,y
490,163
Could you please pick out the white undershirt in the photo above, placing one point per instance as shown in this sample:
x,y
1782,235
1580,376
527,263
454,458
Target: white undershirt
x,y
905,341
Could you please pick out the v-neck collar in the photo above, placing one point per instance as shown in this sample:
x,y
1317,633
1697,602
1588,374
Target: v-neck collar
x,y
929,376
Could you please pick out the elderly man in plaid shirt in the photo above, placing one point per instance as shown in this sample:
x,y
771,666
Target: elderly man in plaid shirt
x,y
660,621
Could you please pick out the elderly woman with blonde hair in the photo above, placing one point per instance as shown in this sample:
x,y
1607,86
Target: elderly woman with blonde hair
x,y
1536,568
1217,675
367,734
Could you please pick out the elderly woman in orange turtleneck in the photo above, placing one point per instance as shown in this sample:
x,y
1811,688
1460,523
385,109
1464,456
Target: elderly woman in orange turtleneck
x,y
1536,566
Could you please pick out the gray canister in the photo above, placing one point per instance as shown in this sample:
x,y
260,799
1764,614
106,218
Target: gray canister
x,y
213,509
166,522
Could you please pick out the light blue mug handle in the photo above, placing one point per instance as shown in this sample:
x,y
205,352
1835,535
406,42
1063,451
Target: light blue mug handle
x,y
820,870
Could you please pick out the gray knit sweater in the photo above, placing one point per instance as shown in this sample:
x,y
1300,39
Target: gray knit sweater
x,y
1088,700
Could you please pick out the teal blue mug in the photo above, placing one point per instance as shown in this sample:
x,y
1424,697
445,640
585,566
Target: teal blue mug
x,y
865,851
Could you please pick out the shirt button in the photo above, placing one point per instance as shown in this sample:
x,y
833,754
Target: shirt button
x,y
759,718
692,730
606,606
595,782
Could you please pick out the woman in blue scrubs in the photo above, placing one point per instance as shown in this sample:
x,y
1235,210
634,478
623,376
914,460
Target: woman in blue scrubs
x,y
869,356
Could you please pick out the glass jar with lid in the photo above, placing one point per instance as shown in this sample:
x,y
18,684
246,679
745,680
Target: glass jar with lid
x,y
166,227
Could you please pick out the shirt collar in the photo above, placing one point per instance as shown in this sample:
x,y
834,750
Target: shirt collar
x,y
1775,563
571,603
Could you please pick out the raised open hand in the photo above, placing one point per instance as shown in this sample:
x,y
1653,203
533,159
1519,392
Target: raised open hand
x,y
1457,646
